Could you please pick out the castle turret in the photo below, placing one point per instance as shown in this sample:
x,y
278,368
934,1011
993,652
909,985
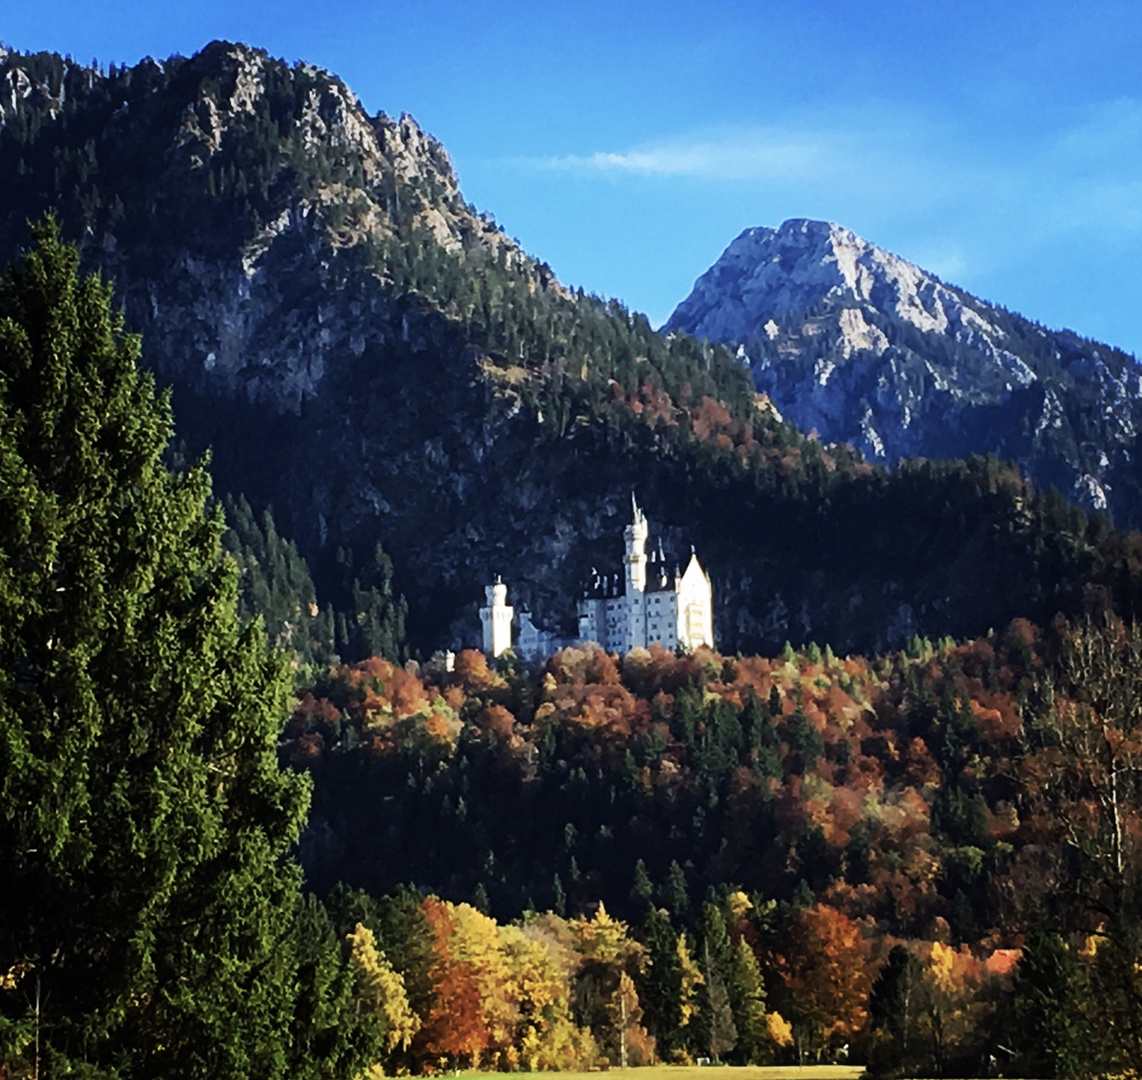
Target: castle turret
x,y
635,535
497,619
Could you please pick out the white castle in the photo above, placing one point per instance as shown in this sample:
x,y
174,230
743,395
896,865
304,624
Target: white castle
x,y
653,606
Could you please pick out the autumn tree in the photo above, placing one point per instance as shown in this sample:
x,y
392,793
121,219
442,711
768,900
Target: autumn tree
x,y
826,978
144,822
1085,771
605,994
379,995
540,961
474,1013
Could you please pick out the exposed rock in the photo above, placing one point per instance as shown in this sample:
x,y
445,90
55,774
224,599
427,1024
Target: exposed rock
x,y
867,348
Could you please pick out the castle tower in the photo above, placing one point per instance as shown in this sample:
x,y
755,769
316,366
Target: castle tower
x,y
655,607
695,606
497,619
635,535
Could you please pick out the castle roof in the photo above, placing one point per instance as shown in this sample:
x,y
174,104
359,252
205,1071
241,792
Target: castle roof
x,y
659,579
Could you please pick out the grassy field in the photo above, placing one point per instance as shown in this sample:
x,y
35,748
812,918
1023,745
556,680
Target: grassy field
x,y
725,1072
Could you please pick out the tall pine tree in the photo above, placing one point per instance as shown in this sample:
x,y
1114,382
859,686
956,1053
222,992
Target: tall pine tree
x,y
145,824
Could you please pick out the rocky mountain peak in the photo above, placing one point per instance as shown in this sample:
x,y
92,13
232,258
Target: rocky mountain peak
x,y
766,274
243,173
866,347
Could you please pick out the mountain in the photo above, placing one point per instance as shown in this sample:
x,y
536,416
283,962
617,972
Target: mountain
x,y
864,347
367,355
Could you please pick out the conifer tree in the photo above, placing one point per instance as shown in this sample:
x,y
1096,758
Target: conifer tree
x,y
746,989
893,1005
642,891
715,1019
674,892
718,1033
274,582
144,821
1049,995
661,990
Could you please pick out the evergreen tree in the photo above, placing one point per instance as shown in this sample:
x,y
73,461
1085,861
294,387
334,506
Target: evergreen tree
x,y
144,821
1048,1004
642,891
376,625
746,990
714,937
716,1026
674,891
274,582
331,1035
894,1007
660,988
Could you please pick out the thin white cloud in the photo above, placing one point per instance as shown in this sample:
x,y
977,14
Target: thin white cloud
x,y
881,163
1103,133
1013,213
746,155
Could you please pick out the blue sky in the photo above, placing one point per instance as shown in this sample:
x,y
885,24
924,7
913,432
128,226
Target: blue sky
x,y
996,143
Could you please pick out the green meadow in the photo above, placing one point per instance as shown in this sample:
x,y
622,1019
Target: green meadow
x,y
728,1072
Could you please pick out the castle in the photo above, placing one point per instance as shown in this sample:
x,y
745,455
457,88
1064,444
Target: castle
x,y
651,606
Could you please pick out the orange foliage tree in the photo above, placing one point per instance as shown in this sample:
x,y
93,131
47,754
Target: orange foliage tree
x,y
827,978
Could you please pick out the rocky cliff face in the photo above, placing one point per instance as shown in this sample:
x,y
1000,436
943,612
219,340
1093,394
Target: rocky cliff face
x,y
864,347
259,190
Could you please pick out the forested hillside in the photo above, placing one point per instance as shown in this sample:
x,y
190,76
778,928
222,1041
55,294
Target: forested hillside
x,y
379,364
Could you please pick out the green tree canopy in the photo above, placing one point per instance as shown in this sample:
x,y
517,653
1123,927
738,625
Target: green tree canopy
x,y
145,823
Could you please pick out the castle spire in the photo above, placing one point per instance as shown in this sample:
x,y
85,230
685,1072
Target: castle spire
x,y
635,535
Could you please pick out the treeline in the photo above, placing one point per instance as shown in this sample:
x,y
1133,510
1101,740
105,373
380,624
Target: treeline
x,y
746,981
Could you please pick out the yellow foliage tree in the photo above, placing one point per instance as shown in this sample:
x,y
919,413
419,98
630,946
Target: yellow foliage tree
x,y
380,991
691,980
780,1030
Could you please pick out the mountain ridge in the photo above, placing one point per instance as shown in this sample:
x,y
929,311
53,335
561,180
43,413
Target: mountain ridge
x,y
866,347
375,360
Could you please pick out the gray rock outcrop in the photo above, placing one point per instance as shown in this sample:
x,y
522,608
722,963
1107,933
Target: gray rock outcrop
x,y
864,347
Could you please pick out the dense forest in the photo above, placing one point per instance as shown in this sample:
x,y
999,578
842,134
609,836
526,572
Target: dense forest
x,y
942,819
